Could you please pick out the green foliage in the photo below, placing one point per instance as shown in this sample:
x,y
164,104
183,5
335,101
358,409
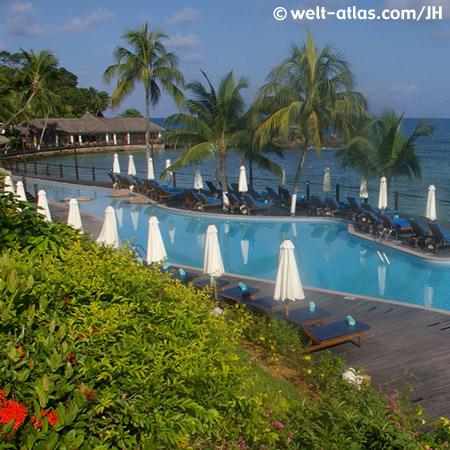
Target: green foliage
x,y
103,353
130,112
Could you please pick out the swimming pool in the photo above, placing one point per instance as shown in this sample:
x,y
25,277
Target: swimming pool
x,y
327,255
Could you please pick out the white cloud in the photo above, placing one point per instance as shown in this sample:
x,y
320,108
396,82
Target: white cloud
x,y
418,5
20,20
88,21
193,59
183,42
402,91
187,16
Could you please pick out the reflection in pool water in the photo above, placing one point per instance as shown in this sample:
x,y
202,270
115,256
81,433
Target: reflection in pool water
x,y
328,256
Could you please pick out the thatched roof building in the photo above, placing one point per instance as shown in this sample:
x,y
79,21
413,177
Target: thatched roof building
x,y
89,129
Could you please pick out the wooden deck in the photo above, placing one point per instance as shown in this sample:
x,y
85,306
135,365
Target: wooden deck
x,y
406,347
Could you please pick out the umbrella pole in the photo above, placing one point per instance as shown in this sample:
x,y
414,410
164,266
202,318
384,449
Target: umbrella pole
x,y
286,307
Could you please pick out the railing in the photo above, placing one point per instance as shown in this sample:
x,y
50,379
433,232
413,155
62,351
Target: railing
x,y
413,204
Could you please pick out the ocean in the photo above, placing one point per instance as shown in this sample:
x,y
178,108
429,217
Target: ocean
x,y
433,151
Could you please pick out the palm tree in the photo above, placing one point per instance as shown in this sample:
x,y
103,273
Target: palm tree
x,y
249,149
381,149
311,89
37,73
149,63
212,123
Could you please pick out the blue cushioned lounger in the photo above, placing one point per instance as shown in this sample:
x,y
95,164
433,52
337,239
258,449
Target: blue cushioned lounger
x,y
237,295
220,284
305,316
334,333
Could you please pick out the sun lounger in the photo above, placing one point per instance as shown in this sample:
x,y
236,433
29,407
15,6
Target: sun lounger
x,y
355,208
300,201
233,202
439,236
274,197
237,295
124,182
301,316
336,207
370,222
419,234
392,223
318,206
139,185
163,193
256,195
372,209
114,180
334,333
251,204
213,189
206,201
190,199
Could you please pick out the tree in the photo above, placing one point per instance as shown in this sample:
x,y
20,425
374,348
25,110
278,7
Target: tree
x,y
250,151
379,148
131,112
311,89
149,63
37,73
98,101
211,126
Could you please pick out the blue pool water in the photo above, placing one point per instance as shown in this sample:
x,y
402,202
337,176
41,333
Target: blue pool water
x,y
327,255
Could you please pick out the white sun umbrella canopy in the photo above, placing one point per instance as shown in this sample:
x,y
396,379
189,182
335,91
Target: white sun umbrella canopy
x,y
9,185
244,250
382,198
243,187
198,181
134,219
150,170
168,177
131,166
156,251
326,181
20,192
74,217
363,189
381,278
287,285
212,263
42,205
109,234
431,203
116,165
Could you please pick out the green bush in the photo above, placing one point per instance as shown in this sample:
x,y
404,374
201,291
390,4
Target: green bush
x,y
98,352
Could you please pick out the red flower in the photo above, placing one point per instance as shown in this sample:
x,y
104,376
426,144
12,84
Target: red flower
x,y
95,330
52,418
20,350
71,357
12,410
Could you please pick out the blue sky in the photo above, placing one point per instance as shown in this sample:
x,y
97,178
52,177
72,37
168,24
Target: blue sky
x,y
404,65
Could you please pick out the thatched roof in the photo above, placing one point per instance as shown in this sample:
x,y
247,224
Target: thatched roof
x,y
89,124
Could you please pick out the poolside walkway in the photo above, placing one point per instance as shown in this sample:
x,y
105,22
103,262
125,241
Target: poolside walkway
x,y
406,347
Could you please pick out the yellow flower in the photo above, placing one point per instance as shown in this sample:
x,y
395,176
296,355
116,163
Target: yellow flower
x,y
309,371
307,357
272,347
423,422
262,338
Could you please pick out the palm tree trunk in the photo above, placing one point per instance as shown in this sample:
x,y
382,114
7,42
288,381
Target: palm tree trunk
x,y
21,110
43,130
147,126
223,174
297,177
250,172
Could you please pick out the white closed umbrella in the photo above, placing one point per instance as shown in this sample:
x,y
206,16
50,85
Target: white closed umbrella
x,y
243,187
382,198
287,285
9,185
109,234
74,217
326,181
20,192
131,166
364,189
172,232
431,203
198,181
156,251
116,165
150,171
212,262
282,177
42,205
168,177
